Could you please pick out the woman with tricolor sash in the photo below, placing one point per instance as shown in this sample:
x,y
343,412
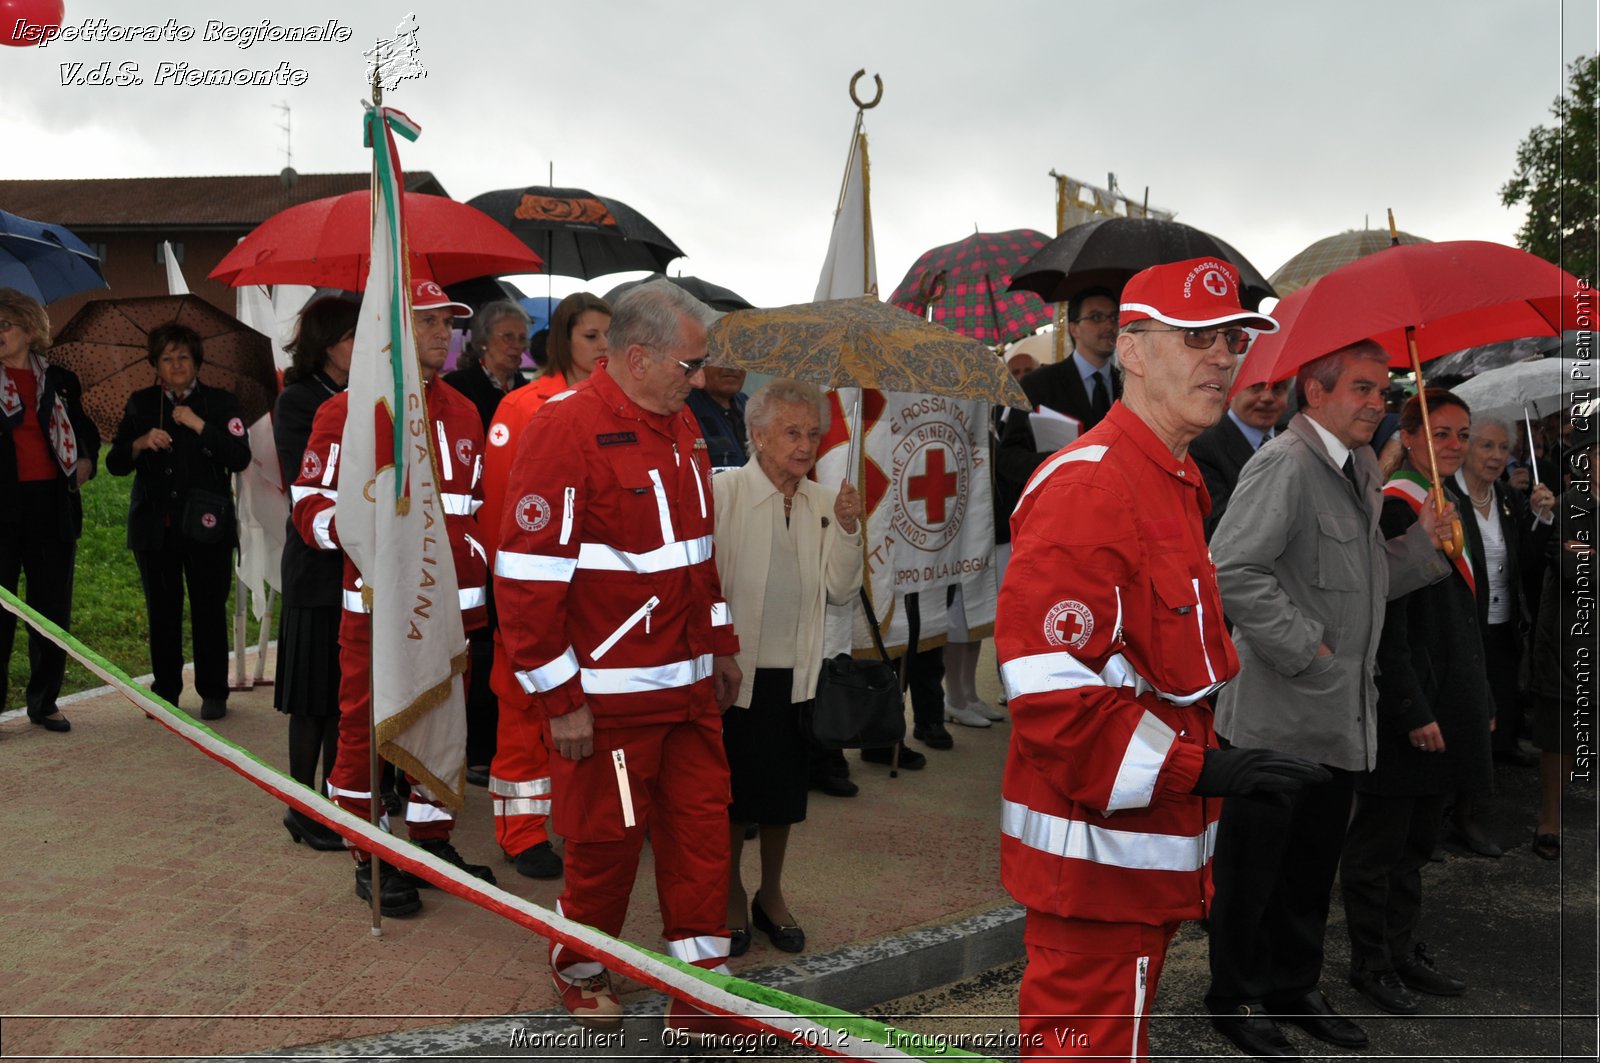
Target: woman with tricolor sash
x,y
1434,714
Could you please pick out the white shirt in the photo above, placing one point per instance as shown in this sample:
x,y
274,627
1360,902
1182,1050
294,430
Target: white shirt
x,y
1336,450
1253,435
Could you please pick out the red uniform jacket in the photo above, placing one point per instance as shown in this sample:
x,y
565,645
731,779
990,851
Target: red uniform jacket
x,y
458,439
604,580
1110,633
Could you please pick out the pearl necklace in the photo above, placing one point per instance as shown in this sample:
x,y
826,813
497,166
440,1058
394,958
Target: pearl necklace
x,y
1482,503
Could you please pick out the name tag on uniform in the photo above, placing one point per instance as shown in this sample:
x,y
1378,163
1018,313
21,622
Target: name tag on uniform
x,y
616,439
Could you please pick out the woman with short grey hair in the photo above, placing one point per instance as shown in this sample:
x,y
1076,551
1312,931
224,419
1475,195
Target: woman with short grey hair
x,y
490,366
786,547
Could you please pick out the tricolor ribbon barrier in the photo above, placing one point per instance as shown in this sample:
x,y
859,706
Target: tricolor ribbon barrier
x,y
828,1031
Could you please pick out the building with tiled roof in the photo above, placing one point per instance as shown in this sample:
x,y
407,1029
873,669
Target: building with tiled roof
x,y
125,220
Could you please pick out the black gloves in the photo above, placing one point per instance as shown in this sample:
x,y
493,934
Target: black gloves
x,y
1235,772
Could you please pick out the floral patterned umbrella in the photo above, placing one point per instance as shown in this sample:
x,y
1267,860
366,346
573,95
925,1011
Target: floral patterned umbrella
x,y
862,343
964,285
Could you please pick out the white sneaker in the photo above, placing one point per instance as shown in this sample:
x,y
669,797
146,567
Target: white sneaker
x,y
986,710
966,716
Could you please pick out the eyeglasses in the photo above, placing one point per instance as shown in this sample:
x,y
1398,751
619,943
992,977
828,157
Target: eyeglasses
x,y
1202,339
1095,318
7,326
691,368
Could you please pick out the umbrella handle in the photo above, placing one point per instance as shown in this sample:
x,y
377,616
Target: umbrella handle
x,y
1455,542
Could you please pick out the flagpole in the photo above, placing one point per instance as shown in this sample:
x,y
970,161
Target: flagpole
x,y
1059,341
374,780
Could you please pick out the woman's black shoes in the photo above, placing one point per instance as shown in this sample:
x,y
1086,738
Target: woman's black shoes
x,y
54,722
785,938
303,828
739,941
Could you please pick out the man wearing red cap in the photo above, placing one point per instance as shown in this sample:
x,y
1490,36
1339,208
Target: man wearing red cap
x,y
457,424
1110,637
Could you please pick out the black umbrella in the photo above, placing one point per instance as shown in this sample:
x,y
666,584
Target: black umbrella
x,y
713,295
1106,253
577,233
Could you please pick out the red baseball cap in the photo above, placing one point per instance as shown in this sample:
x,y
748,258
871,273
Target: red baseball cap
x,y
1198,293
426,295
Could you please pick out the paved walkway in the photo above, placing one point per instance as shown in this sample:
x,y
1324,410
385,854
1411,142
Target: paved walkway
x,y
154,905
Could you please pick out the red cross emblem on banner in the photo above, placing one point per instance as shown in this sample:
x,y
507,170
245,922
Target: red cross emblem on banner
x,y
934,486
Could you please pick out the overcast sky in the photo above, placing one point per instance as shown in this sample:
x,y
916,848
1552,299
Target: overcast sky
x,y
1268,124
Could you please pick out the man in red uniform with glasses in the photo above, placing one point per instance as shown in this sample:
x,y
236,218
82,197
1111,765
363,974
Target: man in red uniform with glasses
x,y
612,615
1110,637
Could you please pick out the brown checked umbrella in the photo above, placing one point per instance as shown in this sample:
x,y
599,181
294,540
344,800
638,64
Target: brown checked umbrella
x,y
1331,252
862,343
104,345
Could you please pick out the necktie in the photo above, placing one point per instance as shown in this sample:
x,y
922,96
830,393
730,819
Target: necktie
x,y
1099,398
1350,470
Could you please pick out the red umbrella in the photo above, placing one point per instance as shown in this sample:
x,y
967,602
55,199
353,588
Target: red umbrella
x,y
964,284
1418,301
327,244
1448,296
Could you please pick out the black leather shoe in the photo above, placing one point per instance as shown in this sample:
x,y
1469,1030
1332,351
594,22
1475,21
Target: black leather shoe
x,y
1469,835
933,735
1517,757
1385,989
54,722
786,938
910,759
478,776
396,897
1254,1034
213,708
540,861
739,941
835,786
305,829
1418,972
1313,1014
447,852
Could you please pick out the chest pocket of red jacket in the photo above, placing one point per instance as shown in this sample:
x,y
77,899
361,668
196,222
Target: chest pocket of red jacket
x,y
1178,626
645,495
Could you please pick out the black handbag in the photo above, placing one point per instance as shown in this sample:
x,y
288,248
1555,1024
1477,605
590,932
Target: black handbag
x,y
858,704
207,516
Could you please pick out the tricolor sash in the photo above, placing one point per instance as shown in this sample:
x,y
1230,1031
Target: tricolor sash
x,y
1414,489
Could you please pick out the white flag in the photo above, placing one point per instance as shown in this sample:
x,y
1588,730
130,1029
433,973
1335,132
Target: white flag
x,y
851,267
393,525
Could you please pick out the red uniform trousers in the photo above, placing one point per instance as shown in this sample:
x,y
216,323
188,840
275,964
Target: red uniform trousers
x,y
1089,986
678,782
350,783
519,777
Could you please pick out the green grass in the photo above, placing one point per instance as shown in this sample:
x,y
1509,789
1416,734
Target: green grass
x,y
108,613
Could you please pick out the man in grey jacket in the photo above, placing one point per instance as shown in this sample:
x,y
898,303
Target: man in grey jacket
x,y
1305,572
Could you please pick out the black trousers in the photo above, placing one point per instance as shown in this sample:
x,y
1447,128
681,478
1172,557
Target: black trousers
x,y
34,546
1273,871
207,569
483,706
1390,841
1502,653
924,669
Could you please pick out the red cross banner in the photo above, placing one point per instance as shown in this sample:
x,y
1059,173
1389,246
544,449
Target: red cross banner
x,y
924,478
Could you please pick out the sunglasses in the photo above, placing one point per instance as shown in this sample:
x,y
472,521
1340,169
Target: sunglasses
x,y
691,368
1237,340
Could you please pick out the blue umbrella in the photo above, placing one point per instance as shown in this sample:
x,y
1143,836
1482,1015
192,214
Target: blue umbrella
x,y
45,261
540,308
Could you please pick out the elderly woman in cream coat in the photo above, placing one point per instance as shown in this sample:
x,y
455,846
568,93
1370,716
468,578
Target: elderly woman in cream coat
x,y
786,546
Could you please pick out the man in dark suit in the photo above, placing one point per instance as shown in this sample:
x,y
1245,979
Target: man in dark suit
x,y
1083,387
1222,449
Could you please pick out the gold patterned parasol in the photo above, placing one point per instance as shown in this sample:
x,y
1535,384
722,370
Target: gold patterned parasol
x,y
862,343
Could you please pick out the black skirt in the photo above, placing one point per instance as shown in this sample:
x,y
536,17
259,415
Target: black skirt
x,y
307,679
767,753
